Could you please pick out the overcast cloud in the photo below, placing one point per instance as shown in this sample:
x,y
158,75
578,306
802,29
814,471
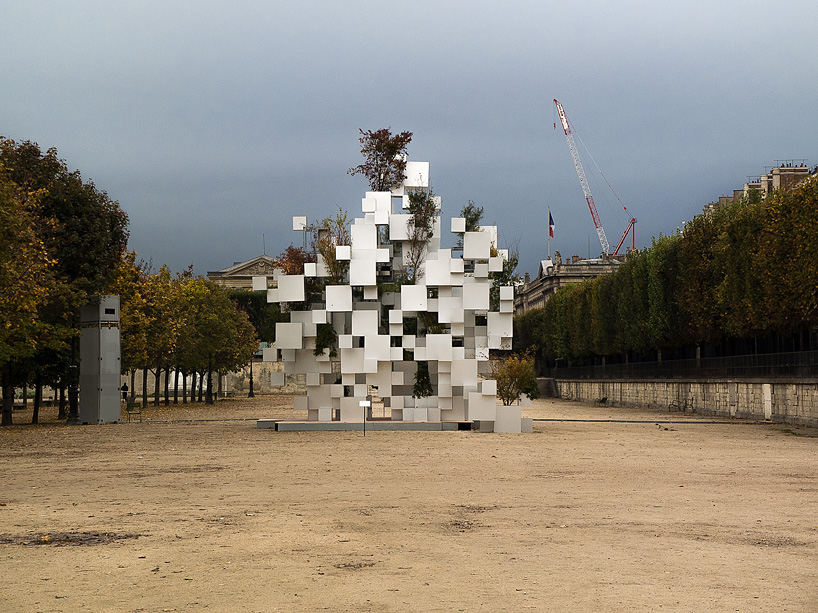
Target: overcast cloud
x,y
213,123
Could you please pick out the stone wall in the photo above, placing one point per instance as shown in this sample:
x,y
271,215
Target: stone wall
x,y
787,401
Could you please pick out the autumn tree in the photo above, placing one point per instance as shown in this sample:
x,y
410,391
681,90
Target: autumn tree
x,y
25,283
84,231
515,377
385,158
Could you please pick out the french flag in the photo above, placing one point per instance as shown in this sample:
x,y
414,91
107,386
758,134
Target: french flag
x,y
550,225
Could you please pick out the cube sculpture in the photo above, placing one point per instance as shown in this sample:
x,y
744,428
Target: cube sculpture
x,y
444,320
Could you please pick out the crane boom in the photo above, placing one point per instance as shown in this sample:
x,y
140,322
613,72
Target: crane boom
x,y
603,240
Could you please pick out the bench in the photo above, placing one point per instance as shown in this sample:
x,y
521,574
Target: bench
x,y
681,404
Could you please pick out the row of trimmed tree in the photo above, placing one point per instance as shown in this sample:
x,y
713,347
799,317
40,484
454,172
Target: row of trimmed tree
x,y
181,324
743,271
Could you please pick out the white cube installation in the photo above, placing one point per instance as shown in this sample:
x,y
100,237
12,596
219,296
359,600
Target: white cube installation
x,y
385,332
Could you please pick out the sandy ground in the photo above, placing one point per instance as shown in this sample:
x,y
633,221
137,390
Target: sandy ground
x,y
215,514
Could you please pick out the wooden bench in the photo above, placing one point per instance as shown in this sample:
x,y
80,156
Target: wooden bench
x,y
134,408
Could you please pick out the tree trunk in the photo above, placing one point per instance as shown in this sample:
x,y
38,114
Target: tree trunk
x,y
133,384
144,387
184,387
219,379
156,384
201,386
8,396
61,412
38,398
167,385
193,386
176,386
209,395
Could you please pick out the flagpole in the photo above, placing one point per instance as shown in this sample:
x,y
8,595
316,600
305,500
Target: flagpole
x,y
549,232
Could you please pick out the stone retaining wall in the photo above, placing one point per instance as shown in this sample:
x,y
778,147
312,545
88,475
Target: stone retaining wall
x,y
787,401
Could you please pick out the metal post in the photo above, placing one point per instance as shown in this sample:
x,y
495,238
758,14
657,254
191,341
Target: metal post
x,y
251,393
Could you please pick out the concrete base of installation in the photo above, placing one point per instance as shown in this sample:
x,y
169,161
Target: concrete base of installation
x,y
283,425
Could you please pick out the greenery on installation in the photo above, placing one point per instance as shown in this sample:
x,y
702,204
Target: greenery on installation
x,y
746,270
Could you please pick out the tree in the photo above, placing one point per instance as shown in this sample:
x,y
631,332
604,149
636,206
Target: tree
x,y
423,382
84,231
421,228
25,283
385,157
333,231
473,214
515,377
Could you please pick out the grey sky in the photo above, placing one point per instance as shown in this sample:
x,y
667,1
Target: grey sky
x,y
213,122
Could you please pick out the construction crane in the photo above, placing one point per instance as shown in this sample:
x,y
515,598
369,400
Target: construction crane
x,y
603,240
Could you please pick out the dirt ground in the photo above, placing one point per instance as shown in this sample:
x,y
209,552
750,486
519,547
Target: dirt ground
x,y
214,514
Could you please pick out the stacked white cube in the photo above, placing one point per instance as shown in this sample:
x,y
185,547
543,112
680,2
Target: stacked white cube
x,y
378,343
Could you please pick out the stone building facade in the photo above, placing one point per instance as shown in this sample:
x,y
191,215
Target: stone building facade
x,y
554,274
240,274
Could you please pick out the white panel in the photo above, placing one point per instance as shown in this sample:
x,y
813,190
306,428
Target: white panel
x,y
299,223
364,236
477,245
507,292
408,341
382,256
259,284
417,174
496,264
272,295
343,252
310,269
482,407
371,292
398,230
437,272
396,354
476,296
339,298
381,218
291,288
508,420
439,347
413,297
458,224
362,272
395,316
464,372
345,341
269,354
376,347
481,271
489,387
368,205
289,335
319,316
456,266
364,323
352,360
501,324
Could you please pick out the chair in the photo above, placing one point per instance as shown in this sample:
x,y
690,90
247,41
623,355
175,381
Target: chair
x,y
134,408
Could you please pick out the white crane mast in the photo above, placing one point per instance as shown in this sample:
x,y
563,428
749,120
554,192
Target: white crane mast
x,y
603,240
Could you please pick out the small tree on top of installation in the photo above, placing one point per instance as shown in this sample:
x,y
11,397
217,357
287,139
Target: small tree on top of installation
x,y
385,157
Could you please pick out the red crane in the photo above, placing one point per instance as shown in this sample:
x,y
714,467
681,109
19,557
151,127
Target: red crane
x,y
603,240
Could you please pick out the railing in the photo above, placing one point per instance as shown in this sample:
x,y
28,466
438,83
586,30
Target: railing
x,y
802,365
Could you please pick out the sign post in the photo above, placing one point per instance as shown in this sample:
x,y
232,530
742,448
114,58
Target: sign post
x,y
364,404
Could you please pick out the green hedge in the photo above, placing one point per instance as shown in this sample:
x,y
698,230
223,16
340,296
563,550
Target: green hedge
x,y
747,269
